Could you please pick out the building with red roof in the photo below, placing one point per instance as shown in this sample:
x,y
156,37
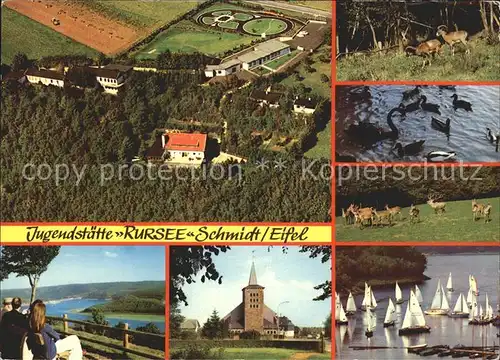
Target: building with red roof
x,y
179,148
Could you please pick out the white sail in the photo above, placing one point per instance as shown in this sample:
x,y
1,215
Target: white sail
x,y
458,305
342,316
437,300
351,304
480,315
399,293
465,306
337,307
444,301
389,315
491,316
366,298
470,296
474,310
372,321
407,318
473,284
414,315
373,301
418,294
487,307
449,284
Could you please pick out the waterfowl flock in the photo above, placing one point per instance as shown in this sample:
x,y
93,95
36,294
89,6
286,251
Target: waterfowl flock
x,y
414,322
371,134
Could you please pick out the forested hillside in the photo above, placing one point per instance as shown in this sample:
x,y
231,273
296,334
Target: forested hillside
x,y
132,304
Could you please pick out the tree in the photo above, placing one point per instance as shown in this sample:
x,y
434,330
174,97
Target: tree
x,y
213,327
176,320
149,328
325,252
29,261
328,326
324,78
20,62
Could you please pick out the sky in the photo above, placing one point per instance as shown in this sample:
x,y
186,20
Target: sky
x,y
97,264
286,277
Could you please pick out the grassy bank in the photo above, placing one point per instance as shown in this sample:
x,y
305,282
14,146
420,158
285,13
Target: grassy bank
x,y
454,225
323,148
481,65
21,34
261,353
129,316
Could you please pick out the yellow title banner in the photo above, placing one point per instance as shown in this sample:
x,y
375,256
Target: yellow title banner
x,y
111,234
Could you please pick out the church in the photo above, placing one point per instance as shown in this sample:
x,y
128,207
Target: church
x,y
253,314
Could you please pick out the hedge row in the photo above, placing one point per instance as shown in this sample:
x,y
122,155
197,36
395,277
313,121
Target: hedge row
x,y
313,345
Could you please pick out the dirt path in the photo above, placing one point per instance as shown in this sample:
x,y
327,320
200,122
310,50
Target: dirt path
x,y
301,356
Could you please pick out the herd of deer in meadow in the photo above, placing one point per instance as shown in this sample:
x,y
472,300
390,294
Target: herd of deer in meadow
x,y
368,215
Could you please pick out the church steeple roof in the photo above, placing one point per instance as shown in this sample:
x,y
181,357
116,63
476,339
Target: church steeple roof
x,y
253,276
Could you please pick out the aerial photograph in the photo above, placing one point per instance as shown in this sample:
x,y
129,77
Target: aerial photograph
x,y
96,302
244,302
214,107
418,40
417,203
422,123
414,302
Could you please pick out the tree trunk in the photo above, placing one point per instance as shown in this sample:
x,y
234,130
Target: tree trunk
x,y
482,9
33,284
374,35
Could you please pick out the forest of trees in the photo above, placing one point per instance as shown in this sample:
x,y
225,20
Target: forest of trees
x,y
47,125
355,264
404,191
131,304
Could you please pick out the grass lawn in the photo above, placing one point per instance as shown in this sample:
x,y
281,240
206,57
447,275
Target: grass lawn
x,y
261,71
323,148
179,38
242,16
481,65
312,80
321,356
21,34
275,64
221,6
258,353
268,26
145,13
315,4
229,25
455,225
105,352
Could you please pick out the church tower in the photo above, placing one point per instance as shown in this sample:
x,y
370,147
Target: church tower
x,y
253,304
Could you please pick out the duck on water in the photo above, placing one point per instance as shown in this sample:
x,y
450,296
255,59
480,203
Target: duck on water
x,y
461,104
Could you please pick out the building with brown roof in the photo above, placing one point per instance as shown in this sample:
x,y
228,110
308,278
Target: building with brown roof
x,y
45,77
266,97
252,314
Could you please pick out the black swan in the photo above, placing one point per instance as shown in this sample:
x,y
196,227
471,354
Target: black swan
x,y
408,94
409,149
428,106
441,125
461,104
410,107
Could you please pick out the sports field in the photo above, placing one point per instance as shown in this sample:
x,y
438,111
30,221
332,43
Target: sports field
x,y
187,39
267,26
37,40
144,13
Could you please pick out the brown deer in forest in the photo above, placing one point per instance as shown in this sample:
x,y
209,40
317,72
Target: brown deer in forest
x,y
363,215
426,49
382,215
487,213
439,207
414,214
477,209
396,210
454,37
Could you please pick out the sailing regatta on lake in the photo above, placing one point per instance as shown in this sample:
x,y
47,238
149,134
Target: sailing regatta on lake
x,y
458,308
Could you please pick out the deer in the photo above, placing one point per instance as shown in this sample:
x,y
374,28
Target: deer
x,y
362,215
477,209
487,213
396,210
437,206
414,214
426,49
380,215
454,37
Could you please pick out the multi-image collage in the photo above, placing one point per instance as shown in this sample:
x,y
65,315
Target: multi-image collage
x,y
226,179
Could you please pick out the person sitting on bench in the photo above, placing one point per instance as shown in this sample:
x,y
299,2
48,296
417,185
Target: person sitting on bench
x,y
12,327
44,342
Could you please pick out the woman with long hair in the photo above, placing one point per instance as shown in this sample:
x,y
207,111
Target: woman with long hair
x,y
45,342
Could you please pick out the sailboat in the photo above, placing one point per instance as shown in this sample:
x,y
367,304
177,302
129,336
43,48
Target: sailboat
x,y
369,299
372,322
439,304
350,308
414,321
340,318
389,315
470,297
461,309
449,284
473,285
486,317
399,294
418,294
474,312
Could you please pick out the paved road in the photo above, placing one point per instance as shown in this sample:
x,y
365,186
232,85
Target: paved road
x,y
287,6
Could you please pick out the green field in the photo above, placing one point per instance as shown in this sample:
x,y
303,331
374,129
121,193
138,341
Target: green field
x,y
455,225
229,25
275,64
183,37
321,356
219,7
220,13
258,353
21,34
261,71
323,148
481,65
242,16
144,13
267,26
208,20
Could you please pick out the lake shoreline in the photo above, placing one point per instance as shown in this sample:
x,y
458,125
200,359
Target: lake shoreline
x,y
129,316
359,287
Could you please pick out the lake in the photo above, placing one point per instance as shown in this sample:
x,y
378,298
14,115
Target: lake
x,y
73,306
444,330
467,136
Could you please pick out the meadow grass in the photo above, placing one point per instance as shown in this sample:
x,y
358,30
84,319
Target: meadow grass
x,y
275,64
268,26
21,34
221,6
185,38
145,13
454,225
314,4
323,147
320,356
481,65
258,353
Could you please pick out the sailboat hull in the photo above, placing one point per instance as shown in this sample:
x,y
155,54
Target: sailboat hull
x,y
400,301
363,308
479,322
414,330
458,315
369,334
389,324
338,322
436,312
450,290
350,313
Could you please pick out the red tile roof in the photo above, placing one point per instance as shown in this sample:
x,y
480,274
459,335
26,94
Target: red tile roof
x,y
186,142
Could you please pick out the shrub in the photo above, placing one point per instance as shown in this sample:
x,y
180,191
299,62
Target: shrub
x,y
195,351
252,334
